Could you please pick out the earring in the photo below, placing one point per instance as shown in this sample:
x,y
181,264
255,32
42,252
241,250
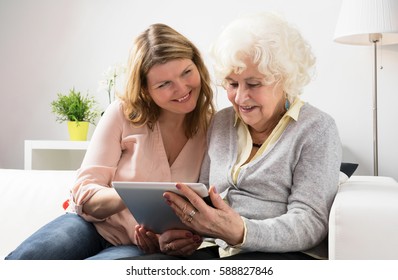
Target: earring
x,y
287,104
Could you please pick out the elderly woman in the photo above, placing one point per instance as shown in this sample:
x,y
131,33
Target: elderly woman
x,y
272,161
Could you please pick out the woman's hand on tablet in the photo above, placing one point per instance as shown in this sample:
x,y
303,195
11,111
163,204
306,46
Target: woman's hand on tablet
x,y
219,222
179,242
172,242
146,240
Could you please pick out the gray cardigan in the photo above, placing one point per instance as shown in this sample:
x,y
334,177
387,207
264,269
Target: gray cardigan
x,y
286,194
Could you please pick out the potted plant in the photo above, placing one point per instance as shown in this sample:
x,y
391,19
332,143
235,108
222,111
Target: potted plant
x,y
78,111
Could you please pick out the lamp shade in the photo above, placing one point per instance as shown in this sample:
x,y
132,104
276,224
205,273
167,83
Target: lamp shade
x,y
358,19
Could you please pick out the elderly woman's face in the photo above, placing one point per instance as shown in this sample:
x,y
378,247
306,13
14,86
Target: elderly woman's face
x,y
255,102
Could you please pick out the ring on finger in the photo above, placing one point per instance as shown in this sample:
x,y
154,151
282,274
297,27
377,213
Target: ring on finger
x,y
167,247
184,208
189,220
192,213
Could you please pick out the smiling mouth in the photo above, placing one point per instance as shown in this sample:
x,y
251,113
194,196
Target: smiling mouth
x,y
246,108
182,99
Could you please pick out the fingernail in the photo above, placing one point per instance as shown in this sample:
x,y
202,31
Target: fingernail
x,y
214,190
189,234
197,238
166,196
178,186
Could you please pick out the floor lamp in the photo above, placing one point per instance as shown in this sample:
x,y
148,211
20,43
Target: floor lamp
x,y
369,22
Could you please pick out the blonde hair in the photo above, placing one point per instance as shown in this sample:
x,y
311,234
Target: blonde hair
x,y
278,49
157,45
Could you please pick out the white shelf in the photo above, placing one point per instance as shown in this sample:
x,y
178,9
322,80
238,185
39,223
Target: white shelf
x,y
53,154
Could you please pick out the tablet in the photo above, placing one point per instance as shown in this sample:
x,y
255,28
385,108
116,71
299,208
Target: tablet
x,y
146,202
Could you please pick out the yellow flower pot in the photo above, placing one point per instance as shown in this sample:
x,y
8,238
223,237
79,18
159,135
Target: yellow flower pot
x,y
78,130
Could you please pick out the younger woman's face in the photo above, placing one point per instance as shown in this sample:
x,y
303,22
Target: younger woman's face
x,y
175,85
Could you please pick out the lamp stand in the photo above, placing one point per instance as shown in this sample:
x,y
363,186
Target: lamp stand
x,y
375,38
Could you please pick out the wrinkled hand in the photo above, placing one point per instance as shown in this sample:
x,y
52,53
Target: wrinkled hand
x,y
179,242
220,222
147,241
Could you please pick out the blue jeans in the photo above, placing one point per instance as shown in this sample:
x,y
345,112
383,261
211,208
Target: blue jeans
x,y
70,237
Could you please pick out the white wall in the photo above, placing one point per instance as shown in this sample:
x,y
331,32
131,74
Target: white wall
x,y
49,46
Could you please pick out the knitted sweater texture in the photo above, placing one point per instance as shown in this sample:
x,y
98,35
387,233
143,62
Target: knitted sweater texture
x,y
285,195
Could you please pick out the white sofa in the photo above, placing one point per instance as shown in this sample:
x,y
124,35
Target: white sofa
x,y
363,221
28,200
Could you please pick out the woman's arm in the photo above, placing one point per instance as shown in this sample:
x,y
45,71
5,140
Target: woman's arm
x,y
92,195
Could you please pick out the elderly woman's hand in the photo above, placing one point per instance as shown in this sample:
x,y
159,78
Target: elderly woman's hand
x,y
219,222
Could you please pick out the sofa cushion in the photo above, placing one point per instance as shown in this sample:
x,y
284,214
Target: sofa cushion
x,y
346,171
28,200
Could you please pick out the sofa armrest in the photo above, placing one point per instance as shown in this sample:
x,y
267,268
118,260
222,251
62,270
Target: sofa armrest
x,y
363,221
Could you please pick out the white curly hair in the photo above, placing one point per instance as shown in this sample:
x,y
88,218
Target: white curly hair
x,y
274,45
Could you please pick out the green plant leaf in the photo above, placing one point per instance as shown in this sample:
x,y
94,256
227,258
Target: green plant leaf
x,y
75,107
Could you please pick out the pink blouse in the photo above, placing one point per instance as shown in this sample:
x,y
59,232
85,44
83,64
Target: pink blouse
x,y
120,152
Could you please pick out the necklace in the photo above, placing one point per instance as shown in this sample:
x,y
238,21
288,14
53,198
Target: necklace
x,y
256,145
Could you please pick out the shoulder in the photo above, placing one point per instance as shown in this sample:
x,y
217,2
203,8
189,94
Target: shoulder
x,y
226,114
223,120
116,107
114,112
315,125
114,118
311,115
